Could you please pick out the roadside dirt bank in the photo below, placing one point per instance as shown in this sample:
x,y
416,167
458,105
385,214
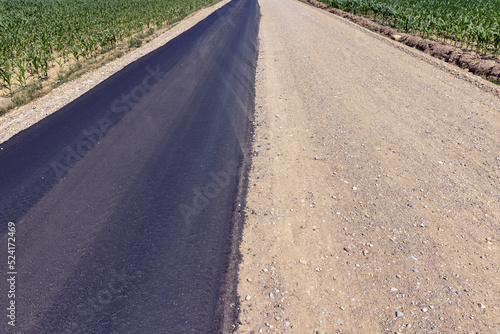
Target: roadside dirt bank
x,y
23,117
474,62
374,193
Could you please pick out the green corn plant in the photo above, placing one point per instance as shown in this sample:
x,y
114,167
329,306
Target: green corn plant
x,y
60,62
483,38
470,36
76,52
45,59
6,75
21,71
36,64
496,43
77,28
466,23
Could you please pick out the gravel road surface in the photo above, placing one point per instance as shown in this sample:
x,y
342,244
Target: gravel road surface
x,y
374,194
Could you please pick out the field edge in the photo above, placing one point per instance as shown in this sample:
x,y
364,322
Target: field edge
x,y
482,71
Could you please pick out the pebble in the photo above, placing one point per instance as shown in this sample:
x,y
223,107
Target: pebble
x,y
303,261
399,314
424,309
481,305
394,289
248,297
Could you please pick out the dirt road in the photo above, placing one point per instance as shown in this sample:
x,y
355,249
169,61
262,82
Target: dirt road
x,y
374,199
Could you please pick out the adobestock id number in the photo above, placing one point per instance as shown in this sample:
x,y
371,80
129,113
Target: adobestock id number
x,y
11,246
11,274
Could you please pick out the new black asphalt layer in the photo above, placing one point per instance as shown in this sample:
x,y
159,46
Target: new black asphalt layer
x,y
123,199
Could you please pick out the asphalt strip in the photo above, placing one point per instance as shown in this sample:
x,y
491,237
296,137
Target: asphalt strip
x,y
122,201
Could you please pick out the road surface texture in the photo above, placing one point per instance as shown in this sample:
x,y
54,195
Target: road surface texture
x,y
374,195
123,200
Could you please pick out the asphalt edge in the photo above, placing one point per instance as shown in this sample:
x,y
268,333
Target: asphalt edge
x,y
228,309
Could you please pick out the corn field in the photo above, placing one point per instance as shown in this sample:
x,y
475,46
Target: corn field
x,y
471,24
36,35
